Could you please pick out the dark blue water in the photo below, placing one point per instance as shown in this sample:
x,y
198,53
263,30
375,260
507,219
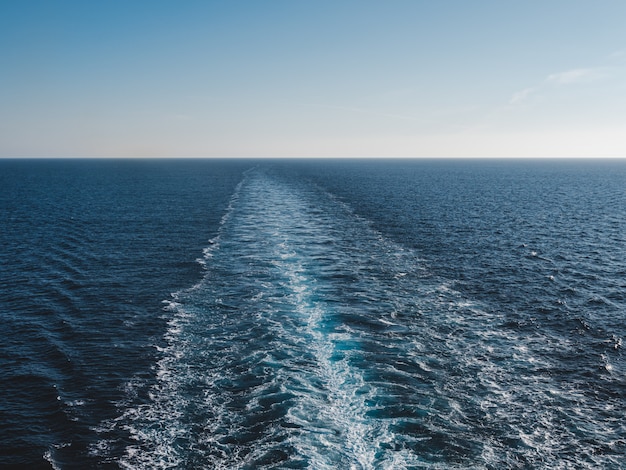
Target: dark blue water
x,y
312,314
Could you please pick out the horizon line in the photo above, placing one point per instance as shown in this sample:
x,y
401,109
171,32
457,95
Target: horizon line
x,y
296,157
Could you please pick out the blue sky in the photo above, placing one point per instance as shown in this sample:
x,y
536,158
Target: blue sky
x,y
313,78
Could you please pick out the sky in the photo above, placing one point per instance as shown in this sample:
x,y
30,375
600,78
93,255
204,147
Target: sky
x,y
323,78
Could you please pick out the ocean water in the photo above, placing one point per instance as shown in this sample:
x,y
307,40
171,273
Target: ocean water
x,y
312,314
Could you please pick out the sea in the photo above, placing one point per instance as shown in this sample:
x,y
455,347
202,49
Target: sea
x,y
312,314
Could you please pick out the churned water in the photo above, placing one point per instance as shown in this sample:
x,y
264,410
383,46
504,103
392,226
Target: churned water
x,y
313,314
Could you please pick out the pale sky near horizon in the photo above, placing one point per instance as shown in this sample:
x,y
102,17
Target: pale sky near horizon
x,y
402,78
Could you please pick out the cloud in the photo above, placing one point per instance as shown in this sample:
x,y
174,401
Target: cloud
x,y
576,76
567,77
521,96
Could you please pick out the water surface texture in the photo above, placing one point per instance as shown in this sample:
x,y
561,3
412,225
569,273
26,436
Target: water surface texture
x,y
313,314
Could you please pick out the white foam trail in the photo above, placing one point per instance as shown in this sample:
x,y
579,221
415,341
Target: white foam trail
x,y
339,409
328,412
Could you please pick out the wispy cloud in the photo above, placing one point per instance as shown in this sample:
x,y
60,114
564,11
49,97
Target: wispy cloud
x,y
567,77
577,76
521,96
